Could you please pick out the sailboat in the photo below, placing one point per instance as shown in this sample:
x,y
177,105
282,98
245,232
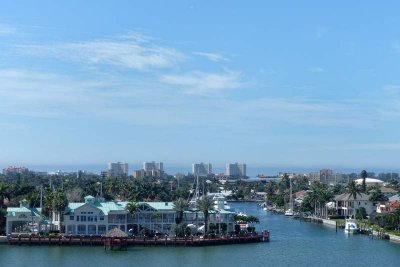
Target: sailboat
x,y
290,212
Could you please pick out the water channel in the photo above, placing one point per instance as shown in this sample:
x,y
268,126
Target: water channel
x,y
293,243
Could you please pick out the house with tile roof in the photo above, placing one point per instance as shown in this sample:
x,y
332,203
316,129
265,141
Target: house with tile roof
x,y
346,204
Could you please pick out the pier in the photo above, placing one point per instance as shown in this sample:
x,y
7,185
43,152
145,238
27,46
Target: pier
x,y
66,240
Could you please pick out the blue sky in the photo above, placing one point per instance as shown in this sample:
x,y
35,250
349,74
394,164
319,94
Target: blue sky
x,y
266,83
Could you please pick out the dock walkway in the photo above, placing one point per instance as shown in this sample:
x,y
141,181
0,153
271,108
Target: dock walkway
x,y
135,241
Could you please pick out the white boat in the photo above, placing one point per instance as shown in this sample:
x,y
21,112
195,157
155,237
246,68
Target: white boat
x,y
290,212
351,227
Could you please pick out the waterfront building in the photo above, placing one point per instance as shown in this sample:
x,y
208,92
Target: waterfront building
x,y
95,216
117,169
236,169
23,218
201,169
14,170
346,204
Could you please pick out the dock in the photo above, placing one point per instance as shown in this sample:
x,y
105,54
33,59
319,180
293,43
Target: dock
x,y
69,240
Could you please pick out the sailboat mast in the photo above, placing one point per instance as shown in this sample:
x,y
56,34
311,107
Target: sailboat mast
x,y
291,197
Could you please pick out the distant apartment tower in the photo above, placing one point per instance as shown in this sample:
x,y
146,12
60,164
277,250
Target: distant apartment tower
x,y
236,169
326,176
150,169
201,169
118,169
153,166
14,170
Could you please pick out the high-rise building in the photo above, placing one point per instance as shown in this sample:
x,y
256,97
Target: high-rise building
x,y
201,169
118,169
153,166
326,176
236,169
14,170
150,169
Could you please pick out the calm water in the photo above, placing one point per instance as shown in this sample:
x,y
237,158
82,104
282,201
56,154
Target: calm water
x,y
293,243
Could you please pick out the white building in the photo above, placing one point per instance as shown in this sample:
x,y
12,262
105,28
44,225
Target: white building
x,y
236,169
346,204
370,181
153,166
118,169
201,169
95,216
24,218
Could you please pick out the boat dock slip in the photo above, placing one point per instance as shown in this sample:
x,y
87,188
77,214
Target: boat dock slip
x,y
136,241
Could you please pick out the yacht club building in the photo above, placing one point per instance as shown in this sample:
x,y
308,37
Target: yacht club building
x,y
95,216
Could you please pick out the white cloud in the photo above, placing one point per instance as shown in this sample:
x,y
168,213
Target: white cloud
x,y
212,56
6,29
202,83
369,146
132,51
316,69
392,90
396,47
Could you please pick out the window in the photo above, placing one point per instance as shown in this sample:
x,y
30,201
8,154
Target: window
x,y
95,218
81,229
77,218
71,218
101,218
90,218
101,229
83,218
91,229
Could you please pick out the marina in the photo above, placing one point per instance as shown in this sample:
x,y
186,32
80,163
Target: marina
x,y
136,241
293,243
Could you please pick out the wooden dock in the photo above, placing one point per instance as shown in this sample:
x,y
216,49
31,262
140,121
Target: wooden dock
x,y
69,240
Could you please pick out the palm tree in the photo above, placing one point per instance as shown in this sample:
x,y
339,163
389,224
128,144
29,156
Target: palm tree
x,y
353,189
180,205
3,189
364,175
270,190
132,207
205,204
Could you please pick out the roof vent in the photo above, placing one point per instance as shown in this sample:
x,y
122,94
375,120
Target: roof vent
x,y
166,203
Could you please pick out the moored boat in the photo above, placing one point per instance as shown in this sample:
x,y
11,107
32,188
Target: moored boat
x,y
351,227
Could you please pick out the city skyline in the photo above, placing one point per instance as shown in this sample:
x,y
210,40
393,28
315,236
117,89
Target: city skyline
x,y
186,82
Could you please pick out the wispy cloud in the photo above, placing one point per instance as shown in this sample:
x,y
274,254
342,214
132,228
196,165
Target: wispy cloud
x,y
396,47
132,51
369,146
6,29
212,56
203,83
392,90
316,69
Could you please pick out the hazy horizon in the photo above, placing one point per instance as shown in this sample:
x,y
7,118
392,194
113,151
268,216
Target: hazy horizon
x,y
252,170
